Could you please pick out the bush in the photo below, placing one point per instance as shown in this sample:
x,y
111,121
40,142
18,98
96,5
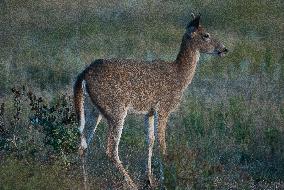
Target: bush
x,y
53,123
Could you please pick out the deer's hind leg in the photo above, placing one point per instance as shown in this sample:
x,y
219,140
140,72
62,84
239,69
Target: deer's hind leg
x,y
92,132
87,133
115,123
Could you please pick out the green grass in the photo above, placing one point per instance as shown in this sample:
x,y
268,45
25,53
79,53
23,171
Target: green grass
x,y
25,175
223,142
228,132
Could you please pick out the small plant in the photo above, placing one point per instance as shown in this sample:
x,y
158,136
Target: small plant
x,y
2,108
57,120
36,120
3,131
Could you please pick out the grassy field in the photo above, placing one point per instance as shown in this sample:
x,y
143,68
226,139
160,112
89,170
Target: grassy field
x,y
227,134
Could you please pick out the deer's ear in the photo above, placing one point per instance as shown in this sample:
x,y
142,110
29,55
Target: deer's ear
x,y
194,24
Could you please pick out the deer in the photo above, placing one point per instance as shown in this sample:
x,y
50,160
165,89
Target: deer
x,y
155,88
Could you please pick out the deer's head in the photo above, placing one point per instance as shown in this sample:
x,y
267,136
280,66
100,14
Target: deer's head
x,y
202,40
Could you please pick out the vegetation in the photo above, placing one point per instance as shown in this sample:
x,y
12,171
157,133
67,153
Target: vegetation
x,y
227,134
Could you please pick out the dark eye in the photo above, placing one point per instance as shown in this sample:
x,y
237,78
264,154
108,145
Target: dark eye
x,y
206,35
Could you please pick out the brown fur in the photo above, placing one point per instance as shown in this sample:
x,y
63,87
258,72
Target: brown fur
x,y
117,86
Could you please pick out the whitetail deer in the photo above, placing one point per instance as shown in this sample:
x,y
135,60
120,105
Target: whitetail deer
x,y
116,86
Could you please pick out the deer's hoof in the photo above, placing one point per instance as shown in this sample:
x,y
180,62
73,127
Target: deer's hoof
x,y
132,186
81,151
150,183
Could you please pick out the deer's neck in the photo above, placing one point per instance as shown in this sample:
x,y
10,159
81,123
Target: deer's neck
x,y
186,62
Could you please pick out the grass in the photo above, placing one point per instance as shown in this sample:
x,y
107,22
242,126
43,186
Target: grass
x,y
17,174
227,134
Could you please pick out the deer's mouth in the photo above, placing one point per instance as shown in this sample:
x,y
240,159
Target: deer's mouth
x,y
222,53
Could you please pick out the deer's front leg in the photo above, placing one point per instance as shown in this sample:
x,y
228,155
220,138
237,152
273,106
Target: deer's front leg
x,y
161,132
150,122
161,135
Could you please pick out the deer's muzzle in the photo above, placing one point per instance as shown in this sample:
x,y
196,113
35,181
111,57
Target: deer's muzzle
x,y
222,52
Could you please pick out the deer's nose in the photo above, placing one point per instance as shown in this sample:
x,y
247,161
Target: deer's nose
x,y
225,50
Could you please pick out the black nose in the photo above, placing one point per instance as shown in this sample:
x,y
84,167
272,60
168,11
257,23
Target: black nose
x,y
225,50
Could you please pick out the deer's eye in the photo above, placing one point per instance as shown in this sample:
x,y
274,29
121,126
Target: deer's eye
x,y
206,35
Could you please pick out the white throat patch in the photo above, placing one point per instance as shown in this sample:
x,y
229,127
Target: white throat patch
x,y
197,56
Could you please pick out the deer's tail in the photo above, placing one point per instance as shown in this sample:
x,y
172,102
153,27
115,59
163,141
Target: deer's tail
x,y
79,100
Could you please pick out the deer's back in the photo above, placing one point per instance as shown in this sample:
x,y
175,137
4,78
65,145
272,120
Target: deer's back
x,y
137,84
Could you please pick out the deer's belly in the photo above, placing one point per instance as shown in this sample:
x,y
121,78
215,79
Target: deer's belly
x,y
142,105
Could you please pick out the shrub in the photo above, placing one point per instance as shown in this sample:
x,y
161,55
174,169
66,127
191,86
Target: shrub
x,y
54,122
